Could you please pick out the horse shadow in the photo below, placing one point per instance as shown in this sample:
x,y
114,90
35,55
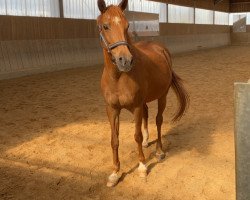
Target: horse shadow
x,y
190,135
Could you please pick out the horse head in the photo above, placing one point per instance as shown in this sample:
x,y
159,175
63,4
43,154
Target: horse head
x,y
113,30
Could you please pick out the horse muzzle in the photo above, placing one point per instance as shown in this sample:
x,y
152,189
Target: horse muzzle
x,y
124,63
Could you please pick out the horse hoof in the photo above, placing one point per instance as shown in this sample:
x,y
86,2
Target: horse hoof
x,y
160,156
145,144
143,171
143,175
113,180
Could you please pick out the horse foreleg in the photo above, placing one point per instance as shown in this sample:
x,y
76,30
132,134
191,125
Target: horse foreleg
x,y
138,113
113,115
159,119
145,123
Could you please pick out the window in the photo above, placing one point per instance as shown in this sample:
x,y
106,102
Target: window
x,y
84,9
180,14
109,2
221,18
144,6
2,7
203,16
41,8
248,18
149,7
163,13
80,9
234,17
239,21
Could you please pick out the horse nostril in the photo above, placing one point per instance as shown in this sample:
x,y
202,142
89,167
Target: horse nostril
x,y
125,61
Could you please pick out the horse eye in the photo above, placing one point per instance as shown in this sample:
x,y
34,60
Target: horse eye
x,y
106,27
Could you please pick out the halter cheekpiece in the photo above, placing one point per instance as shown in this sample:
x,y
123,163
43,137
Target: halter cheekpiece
x,y
111,46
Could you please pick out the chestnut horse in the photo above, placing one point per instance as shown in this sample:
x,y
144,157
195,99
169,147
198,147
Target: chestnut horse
x,y
133,75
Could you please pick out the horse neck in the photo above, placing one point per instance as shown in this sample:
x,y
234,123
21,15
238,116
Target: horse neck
x,y
110,69
129,40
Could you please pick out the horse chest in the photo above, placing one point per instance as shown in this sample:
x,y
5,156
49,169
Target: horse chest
x,y
123,98
123,92
127,98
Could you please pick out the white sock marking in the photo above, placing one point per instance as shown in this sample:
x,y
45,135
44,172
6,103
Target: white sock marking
x,y
145,136
142,167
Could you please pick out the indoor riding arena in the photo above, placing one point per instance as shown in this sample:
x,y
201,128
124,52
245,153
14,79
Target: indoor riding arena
x,y
54,131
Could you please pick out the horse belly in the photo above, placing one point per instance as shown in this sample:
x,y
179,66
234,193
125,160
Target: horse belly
x,y
158,75
156,94
158,87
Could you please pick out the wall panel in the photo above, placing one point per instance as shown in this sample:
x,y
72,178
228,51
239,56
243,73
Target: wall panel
x,y
189,29
5,28
240,6
19,58
241,37
29,28
185,43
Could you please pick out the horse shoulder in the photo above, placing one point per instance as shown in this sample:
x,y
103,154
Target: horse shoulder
x,y
109,91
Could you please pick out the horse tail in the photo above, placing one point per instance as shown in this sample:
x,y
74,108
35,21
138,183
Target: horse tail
x,y
179,89
182,96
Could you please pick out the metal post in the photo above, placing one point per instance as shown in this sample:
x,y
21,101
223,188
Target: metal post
x,y
167,10
61,8
214,15
194,6
242,140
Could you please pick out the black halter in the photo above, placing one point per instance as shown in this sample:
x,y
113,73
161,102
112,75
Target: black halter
x,y
111,46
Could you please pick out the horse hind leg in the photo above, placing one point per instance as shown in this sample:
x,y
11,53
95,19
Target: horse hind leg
x,y
145,124
159,119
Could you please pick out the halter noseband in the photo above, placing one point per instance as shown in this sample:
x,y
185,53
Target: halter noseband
x,y
111,46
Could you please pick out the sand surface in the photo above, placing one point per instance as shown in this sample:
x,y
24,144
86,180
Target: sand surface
x,y
55,136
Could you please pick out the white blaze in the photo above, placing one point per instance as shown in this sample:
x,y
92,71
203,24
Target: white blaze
x,y
117,20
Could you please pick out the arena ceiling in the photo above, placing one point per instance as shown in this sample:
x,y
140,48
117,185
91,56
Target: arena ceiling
x,y
219,5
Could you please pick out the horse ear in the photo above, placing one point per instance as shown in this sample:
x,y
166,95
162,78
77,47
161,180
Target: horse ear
x,y
123,4
102,6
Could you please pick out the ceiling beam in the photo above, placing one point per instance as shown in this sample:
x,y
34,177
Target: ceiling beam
x,y
217,1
